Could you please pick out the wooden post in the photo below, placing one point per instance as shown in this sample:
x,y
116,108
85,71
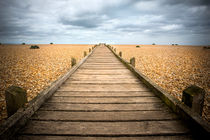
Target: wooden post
x,y
73,61
85,53
89,50
193,96
15,98
132,61
120,54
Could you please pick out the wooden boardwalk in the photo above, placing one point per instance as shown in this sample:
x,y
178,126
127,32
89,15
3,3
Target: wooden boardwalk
x,y
104,100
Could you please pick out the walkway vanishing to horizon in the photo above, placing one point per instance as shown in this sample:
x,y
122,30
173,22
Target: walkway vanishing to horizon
x,y
104,100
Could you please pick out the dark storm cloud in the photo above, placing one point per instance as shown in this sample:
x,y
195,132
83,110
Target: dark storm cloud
x,y
188,2
86,22
147,19
191,15
11,14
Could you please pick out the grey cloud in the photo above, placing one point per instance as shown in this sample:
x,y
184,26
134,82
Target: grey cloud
x,y
40,19
86,22
187,2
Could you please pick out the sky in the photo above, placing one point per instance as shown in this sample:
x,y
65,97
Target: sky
x,y
184,22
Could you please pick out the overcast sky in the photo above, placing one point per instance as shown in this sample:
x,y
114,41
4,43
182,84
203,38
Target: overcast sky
x,y
110,21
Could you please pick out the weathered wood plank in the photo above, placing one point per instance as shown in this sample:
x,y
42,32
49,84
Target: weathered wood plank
x,y
105,128
107,72
123,81
107,65
104,94
116,77
31,137
72,87
124,70
104,116
100,61
98,79
121,100
103,107
103,58
103,74
111,85
101,89
102,68
103,61
95,63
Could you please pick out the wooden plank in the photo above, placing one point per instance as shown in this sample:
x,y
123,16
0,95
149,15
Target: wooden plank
x,y
111,85
99,79
111,58
106,55
102,71
95,63
104,116
107,65
102,61
121,100
103,67
107,72
97,82
123,81
31,137
124,70
111,63
104,94
68,87
105,128
103,107
101,89
114,77
103,58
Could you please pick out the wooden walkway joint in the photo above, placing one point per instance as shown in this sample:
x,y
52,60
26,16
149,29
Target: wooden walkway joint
x,y
104,100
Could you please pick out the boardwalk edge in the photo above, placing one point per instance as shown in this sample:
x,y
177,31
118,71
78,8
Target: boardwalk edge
x,y
193,120
19,119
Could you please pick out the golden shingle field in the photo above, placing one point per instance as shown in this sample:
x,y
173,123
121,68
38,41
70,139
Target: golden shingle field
x,y
173,67
34,69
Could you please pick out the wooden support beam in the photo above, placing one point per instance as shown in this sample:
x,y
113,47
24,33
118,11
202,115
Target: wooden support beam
x,y
193,96
132,61
85,53
15,99
73,61
120,54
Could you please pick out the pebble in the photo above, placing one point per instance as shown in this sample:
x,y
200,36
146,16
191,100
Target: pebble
x,y
34,69
173,68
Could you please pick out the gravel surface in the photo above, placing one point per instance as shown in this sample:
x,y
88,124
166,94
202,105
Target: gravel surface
x,y
34,69
173,67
